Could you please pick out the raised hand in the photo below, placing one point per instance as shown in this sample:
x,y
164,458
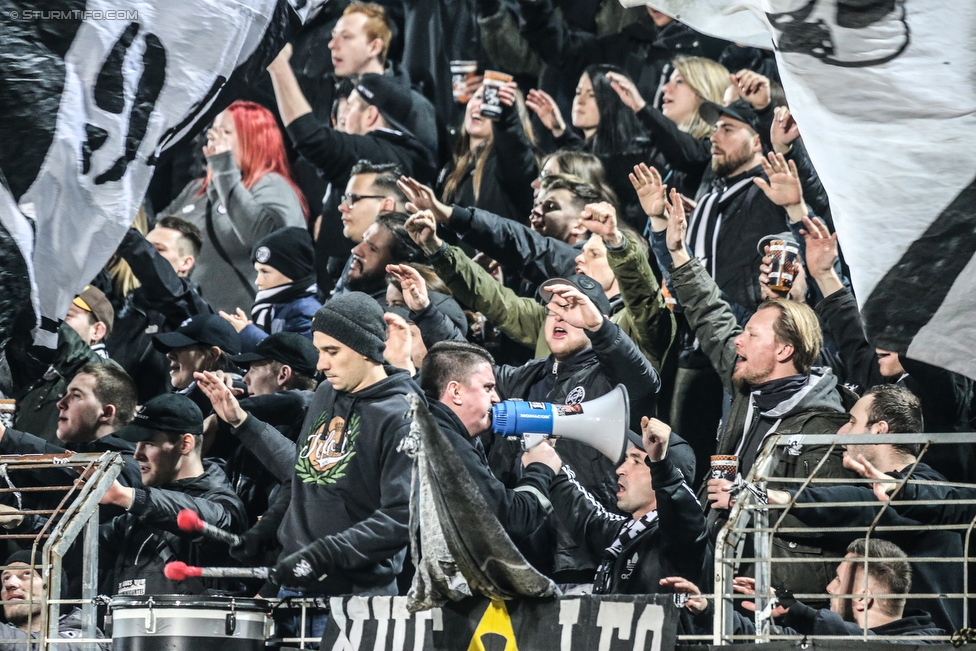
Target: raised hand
x,y
677,229
627,91
783,131
601,219
543,105
753,88
574,307
399,343
656,437
783,187
420,197
239,319
506,93
225,405
283,60
422,229
651,193
885,485
412,284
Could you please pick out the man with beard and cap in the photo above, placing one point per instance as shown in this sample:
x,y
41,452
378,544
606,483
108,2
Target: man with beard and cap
x,y
285,302
135,547
345,528
22,591
767,368
203,342
665,533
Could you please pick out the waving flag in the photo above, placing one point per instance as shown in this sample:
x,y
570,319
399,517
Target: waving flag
x,y
92,92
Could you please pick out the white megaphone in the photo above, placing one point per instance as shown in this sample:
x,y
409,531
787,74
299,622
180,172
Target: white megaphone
x,y
600,423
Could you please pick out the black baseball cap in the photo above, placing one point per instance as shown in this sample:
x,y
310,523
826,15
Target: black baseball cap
x,y
289,348
207,329
170,412
740,110
390,97
585,284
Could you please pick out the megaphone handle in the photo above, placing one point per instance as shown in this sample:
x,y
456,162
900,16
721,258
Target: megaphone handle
x,y
529,441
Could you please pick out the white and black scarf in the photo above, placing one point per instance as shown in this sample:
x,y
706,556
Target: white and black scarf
x,y
262,312
706,221
630,530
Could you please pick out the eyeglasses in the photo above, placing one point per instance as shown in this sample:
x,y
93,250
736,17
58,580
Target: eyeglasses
x,y
351,199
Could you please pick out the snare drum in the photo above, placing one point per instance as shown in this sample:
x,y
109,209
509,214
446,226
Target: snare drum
x,y
188,623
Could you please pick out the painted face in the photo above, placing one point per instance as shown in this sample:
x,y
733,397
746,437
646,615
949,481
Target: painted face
x,y
556,215
477,396
184,362
592,262
351,48
370,257
362,207
476,126
678,101
79,410
733,145
159,459
344,368
756,347
586,113
634,492
269,277
23,589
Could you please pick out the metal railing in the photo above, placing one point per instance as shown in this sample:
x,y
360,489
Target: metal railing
x,y
75,515
751,520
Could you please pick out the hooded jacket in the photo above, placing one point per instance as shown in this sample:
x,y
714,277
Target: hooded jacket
x,y
815,409
135,547
917,541
69,626
673,544
350,486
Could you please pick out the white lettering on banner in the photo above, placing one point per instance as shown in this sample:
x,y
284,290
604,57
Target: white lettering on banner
x,y
419,629
338,613
652,619
358,609
400,616
381,612
614,616
568,616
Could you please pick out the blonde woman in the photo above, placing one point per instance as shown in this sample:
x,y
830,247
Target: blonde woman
x,y
679,133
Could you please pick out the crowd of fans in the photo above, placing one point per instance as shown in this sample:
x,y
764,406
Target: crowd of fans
x,y
358,236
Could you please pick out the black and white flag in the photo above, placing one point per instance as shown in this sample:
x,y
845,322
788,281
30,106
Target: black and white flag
x,y
884,92
92,92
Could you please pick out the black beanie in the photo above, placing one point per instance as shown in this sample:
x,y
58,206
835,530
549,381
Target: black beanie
x,y
289,250
24,556
356,320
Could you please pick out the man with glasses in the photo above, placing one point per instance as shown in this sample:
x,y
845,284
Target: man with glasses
x,y
371,191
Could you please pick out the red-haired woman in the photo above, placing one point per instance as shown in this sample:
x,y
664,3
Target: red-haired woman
x,y
248,193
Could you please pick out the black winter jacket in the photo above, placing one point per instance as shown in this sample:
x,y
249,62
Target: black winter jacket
x,y
945,396
927,577
160,304
136,546
674,544
350,487
334,153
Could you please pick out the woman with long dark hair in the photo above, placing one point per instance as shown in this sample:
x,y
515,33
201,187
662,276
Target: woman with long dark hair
x,y
610,131
247,193
494,160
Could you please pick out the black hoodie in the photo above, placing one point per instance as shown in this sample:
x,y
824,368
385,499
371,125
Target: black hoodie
x,y
350,487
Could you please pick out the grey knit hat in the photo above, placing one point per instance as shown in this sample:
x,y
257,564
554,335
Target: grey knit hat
x,y
356,320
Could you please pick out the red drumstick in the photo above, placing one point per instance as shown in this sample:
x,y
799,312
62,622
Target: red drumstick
x,y
188,520
178,570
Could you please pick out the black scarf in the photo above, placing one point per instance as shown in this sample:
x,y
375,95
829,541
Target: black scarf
x,y
266,299
630,530
769,394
